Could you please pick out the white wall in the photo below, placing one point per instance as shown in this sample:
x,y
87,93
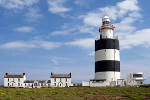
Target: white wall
x,y
14,82
131,81
107,33
28,85
109,76
98,84
84,83
35,84
61,81
107,54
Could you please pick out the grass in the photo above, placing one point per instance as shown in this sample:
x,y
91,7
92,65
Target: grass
x,y
76,93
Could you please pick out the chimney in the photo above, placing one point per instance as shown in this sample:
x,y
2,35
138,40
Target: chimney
x,y
23,73
6,73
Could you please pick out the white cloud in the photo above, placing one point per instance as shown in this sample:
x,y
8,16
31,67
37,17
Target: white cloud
x,y
24,29
21,45
111,11
135,15
130,5
125,26
91,18
48,45
69,29
127,6
82,2
33,14
114,12
86,43
17,4
16,45
139,38
56,60
63,32
57,6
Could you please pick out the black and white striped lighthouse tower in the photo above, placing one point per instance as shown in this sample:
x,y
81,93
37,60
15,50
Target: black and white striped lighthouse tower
x,y
107,54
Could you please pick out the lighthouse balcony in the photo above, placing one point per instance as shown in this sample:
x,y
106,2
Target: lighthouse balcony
x,y
106,27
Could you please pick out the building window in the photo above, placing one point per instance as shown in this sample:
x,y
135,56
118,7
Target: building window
x,y
35,84
55,84
8,84
66,85
137,75
41,84
13,79
8,79
55,79
18,79
60,79
18,84
25,84
66,79
105,22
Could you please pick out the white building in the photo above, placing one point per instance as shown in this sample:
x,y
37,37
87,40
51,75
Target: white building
x,y
13,80
85,83
35,83
134,79
60,80
28,83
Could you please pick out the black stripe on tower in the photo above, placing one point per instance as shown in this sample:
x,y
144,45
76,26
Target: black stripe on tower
x,y
107,65
106,44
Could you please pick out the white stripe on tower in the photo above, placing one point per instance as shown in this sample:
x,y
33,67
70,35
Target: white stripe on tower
x,y
107,54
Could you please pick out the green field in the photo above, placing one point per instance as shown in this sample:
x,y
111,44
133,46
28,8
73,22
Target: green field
x,y
76,93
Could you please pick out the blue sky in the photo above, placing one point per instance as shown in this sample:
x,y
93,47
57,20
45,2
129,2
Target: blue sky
x,y
43,36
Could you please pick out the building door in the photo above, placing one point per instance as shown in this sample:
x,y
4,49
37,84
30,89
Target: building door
x,y
60,84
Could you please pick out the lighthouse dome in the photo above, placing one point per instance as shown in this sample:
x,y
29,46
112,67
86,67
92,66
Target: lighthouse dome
x,y
106,18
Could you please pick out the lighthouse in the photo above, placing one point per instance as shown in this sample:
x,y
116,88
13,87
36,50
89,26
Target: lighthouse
x,y
107,56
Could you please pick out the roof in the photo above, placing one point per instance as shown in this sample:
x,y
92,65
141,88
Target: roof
x,y
60,75
33,81
14,76
29,81
42,81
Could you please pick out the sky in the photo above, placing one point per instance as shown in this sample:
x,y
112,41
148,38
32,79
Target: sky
x,y
43,36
